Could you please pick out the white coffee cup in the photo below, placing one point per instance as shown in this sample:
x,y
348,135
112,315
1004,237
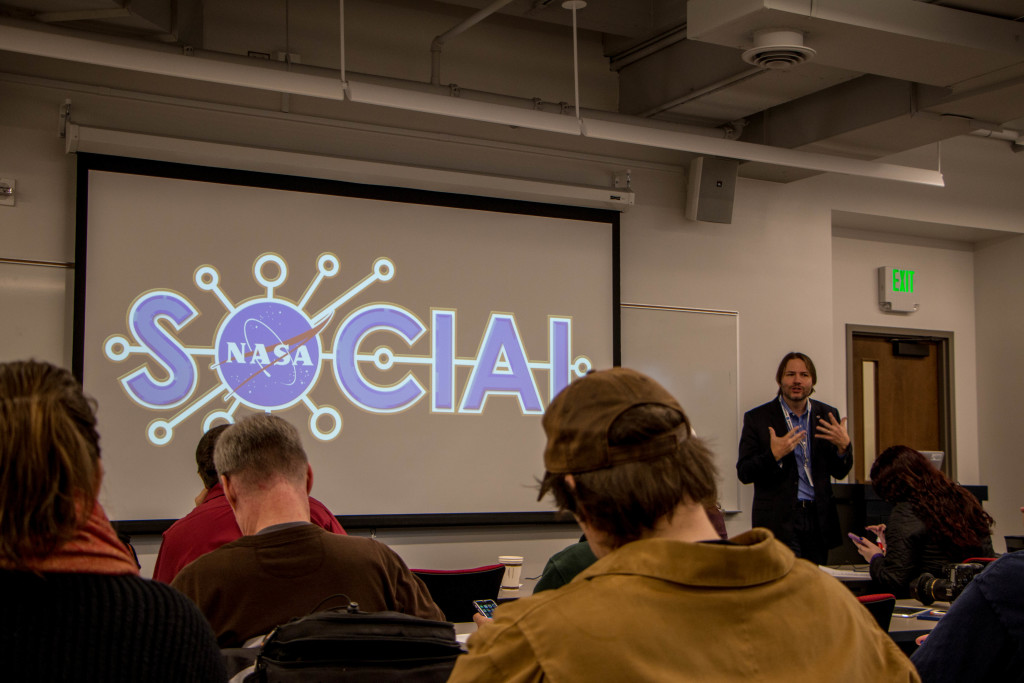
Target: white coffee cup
x,y
513,571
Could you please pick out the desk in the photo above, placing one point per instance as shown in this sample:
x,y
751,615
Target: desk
x,y
856,577
463,630
848,573
905,630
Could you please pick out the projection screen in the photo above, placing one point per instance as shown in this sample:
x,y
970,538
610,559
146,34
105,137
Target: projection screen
x,y
413,338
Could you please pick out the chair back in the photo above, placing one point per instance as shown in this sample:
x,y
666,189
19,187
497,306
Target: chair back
x,y
880,605
454,590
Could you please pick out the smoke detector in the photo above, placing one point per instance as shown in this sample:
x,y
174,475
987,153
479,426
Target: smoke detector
x,y
777,48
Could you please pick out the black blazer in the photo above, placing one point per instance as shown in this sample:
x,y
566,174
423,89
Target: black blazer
x,y
775,482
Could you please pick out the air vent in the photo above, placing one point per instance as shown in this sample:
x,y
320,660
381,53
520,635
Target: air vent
x,y
778,49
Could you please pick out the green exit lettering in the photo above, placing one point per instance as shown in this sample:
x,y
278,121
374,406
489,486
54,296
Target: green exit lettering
x,y
902,280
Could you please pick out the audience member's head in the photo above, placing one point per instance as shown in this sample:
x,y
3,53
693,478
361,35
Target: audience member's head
x,y
264,471
49,459
802,357
204,455
259,448
901,474
621,455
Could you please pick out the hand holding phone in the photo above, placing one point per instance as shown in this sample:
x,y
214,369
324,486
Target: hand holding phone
x,y
855,538
485,607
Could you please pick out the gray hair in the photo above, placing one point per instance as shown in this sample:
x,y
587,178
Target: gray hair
x,y
258,448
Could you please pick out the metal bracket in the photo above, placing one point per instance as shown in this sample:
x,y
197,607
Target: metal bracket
x,y
65,118
623,180
7,186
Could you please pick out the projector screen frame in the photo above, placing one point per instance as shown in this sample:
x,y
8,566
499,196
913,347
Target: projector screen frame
x,y
87,162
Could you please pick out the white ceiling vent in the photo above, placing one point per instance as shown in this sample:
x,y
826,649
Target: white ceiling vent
x,y
776,48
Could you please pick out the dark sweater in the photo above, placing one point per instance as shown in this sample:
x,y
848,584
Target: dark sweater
x,y
565,565
91,627
981,638
912,550
247,587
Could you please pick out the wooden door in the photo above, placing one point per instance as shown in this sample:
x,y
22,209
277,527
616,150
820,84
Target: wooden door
x,y
898,398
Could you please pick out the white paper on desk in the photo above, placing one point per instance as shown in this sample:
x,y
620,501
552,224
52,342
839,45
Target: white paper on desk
x,y
846,574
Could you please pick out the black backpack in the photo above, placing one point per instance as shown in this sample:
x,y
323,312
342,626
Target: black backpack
x,y
344,644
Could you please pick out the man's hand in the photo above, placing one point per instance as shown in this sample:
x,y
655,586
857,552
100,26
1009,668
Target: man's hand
x,y
202,496
481,620
834,432
784,445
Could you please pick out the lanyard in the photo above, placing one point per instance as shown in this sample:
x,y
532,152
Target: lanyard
x,y
803,444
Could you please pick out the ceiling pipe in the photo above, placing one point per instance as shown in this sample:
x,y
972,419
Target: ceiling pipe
x,y
619,61
84,15
1013,136
341,43
704,92
438,43
572,6
980,129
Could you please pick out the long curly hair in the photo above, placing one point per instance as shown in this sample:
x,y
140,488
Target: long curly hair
x,y
901,474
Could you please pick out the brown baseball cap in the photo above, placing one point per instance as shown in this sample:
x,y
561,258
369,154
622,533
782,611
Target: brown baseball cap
x,y
578,419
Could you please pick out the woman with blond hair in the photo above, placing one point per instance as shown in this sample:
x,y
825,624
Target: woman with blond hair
x,y
74,606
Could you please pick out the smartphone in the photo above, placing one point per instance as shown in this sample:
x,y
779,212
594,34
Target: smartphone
x,y
855,538
485,607
901,611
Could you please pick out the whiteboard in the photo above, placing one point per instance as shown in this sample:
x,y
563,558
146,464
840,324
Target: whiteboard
x,y
693,353
34,304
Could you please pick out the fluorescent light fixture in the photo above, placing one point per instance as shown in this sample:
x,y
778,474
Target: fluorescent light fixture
x,y
748,151
178,150
446,105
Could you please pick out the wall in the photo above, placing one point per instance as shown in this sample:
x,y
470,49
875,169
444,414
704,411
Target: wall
x,y
999,301
40,227
945,279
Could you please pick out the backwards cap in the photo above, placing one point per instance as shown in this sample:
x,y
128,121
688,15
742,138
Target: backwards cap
x,y
578,419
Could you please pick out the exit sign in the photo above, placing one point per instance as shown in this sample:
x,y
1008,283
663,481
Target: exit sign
x,y
902,280
898,289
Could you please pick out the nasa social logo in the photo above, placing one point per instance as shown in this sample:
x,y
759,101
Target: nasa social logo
x,y
268,352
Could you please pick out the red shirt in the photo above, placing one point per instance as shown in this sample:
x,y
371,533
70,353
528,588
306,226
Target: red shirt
x,y
209,526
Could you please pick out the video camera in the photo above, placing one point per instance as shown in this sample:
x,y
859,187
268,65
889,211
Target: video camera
x,y
928,589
